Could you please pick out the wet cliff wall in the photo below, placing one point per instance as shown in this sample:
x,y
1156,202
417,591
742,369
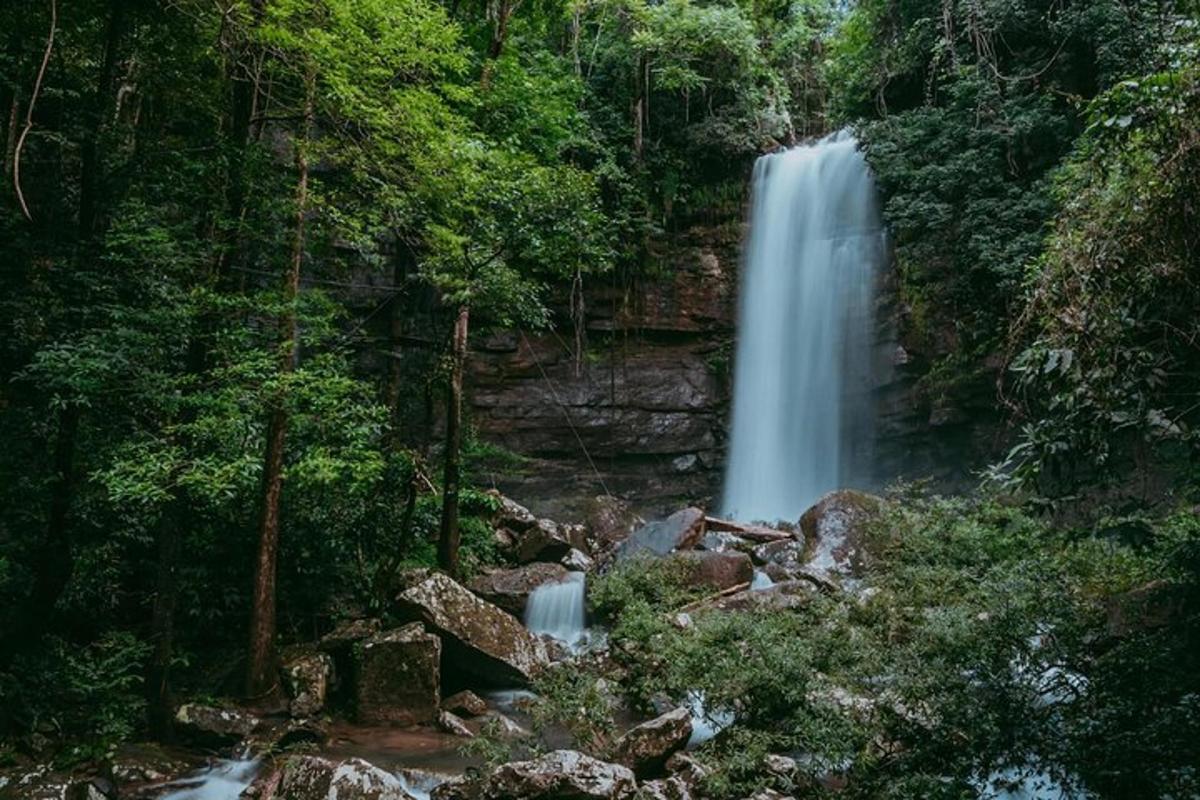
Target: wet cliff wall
x,y
642,411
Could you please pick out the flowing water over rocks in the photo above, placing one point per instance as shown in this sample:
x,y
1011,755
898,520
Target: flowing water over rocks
x,y
557,610
224,780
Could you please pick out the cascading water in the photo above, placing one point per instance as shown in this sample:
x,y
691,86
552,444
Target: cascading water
x,y
223,780
557,609
806,355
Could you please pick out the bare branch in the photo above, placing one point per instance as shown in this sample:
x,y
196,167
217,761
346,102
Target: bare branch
x,y
37,87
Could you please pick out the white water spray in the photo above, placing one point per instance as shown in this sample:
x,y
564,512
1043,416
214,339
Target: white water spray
x,y
224,780
557,609
802,410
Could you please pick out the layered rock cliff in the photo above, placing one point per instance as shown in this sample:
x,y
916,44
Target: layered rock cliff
x,y
640,412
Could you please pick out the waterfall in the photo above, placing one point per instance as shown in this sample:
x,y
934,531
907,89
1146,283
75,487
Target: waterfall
x,y
223,780
805,363
557,609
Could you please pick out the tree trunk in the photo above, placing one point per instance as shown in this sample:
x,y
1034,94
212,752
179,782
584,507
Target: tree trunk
x,y
639,109
159,699
10,136
449,538
401,264
261,678
244,89
496,46
54,561
89,150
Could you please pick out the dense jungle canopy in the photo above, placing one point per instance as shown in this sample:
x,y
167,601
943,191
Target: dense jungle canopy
x,y
248,247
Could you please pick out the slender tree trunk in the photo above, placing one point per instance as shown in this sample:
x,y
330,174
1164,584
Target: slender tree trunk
x,y
639,109
504,11
55,554
395,380
89,150
53,570
261,678
244,100
10,136
449,538
160,702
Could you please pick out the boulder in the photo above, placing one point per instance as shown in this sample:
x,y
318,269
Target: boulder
x,y
210,726
820,580
42,783
787,553
147,762
465,703
450,723
782,766
497,726
715,570
770,794
278,736
485,643
577,561
609,521
397,676
512,516
314,778
547,540
686,768
672,788
680,531
646,747
723,541
837,528
307,674
558,775
751,532
346,634
510,588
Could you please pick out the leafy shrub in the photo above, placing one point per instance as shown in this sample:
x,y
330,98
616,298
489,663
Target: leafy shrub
x,y
89,696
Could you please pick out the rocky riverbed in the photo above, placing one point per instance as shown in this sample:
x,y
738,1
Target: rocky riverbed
x,y
387,708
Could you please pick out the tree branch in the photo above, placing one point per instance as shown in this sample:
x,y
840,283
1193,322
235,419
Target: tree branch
x,y
37,87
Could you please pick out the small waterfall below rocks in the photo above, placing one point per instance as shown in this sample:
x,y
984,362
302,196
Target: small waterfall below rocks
x,y
557,609
224,780
806,358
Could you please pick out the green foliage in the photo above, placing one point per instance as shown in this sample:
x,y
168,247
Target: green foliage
x,y
964,129
982,641
91,694
1106,370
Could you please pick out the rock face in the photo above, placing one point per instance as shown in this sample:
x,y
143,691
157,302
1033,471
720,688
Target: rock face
x,y
680,531
485,643
784,560
349,632
307,674
510,588
560,775
665,789
549,541
609,521
452,724
313,778
646,748
838,528
209,726
716,570
465,703
397,677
